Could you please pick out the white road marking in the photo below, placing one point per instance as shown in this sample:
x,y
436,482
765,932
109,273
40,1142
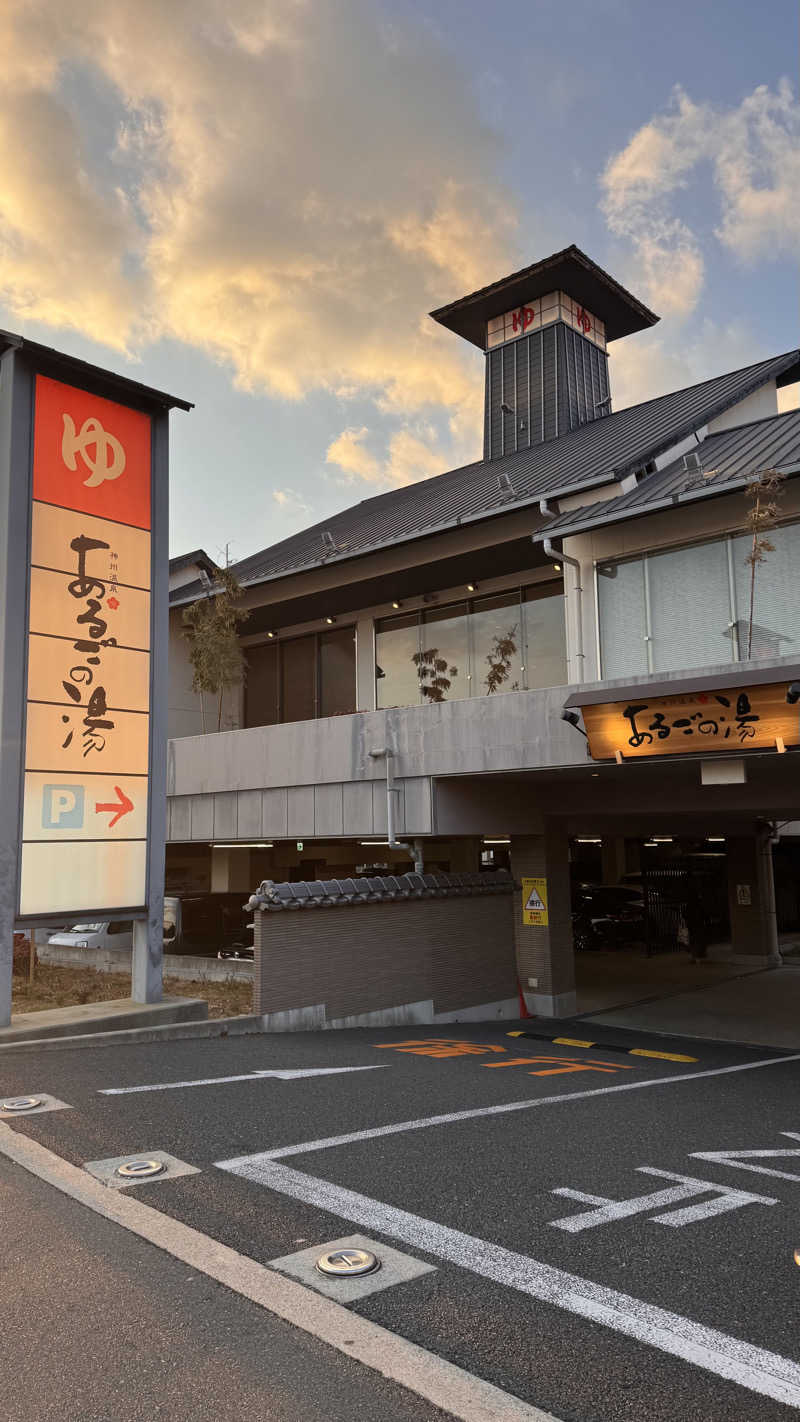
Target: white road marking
x,y
283,1075
753,1368
305,1147
737,1158
457,1393
608,1211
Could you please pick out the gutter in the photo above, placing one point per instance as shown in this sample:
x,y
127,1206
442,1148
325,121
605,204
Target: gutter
x,y
413,850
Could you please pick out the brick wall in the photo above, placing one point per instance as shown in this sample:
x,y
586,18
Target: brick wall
x,y
458,951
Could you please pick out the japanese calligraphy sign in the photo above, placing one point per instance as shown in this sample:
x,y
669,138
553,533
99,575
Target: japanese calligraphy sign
x,y
738,719
87,738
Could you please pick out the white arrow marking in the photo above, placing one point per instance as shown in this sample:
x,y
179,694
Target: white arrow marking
x,y
737,1158
284,1075
685,1186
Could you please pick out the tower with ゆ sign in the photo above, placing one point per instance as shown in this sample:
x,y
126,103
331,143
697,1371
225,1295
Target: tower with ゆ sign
x,y
83,607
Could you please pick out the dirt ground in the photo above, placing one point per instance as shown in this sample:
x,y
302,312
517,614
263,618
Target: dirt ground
x,y
65,987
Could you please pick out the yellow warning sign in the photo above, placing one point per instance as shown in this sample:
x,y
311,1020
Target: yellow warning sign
x,y
534,902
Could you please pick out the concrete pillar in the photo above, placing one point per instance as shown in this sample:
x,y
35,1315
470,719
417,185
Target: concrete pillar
x,y
545,953
614,861
751,900
230,871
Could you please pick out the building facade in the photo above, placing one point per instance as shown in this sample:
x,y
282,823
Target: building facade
x,y
423,669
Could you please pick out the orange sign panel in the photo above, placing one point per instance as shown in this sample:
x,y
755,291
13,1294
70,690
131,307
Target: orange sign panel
x,y
739,719
90,454
87,745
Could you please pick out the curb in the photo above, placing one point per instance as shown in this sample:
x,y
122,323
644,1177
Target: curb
x,y
169,1032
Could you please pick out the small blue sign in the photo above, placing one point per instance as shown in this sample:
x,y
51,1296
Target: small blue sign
x,y
62,807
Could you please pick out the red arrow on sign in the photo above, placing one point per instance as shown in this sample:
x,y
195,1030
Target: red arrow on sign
x,y
117,809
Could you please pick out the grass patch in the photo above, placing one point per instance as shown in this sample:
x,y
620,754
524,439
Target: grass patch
x,y
70,987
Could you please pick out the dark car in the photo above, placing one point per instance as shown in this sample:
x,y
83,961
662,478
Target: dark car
x,y
607,916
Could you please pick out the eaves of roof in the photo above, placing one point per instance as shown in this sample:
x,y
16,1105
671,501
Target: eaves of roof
x,y
746,450
95,375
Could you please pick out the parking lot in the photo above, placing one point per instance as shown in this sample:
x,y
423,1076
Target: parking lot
x,y
611,1234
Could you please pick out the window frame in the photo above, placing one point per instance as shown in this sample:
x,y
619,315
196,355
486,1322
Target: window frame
x,y
278,643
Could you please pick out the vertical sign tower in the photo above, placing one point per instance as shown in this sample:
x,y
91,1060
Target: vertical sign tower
x,y
83,485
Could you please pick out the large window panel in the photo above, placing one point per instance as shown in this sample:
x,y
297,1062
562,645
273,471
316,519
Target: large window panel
x,y
261,700
776,594
690,614
337,672
621,609
496,645
298,679
443,658
396,647
545,635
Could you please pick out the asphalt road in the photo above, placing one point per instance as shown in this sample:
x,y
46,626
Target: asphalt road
x,y
521,1169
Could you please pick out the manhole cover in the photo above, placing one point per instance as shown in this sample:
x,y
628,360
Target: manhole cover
x,y
140,1169
21,1103
348,1263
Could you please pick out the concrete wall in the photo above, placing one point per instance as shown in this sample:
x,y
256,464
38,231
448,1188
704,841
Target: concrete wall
x,y
316,779
176,965
185,713
430,959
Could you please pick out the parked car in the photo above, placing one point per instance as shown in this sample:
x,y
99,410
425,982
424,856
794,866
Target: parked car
x,y
202,924
607,916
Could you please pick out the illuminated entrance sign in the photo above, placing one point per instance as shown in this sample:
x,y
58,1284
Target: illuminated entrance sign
x,y
732,719
87,738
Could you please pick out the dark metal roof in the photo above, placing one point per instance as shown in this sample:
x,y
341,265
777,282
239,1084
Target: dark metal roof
x,y
721,462
569,270
132,390
186,560
595,454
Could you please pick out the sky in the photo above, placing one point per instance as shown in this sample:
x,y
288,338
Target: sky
x,y
254,204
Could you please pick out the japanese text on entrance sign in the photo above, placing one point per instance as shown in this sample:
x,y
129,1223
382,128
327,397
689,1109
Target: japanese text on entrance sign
x,y
534,903
747,718
87,743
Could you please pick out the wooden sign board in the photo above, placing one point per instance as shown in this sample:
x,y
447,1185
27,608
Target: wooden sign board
x,y
737,719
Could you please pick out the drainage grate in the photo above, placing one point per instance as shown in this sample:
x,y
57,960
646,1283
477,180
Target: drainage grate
x,y
348,1263
140,1169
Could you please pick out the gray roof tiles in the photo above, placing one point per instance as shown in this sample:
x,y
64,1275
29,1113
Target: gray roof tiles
x,y
725,461
594,454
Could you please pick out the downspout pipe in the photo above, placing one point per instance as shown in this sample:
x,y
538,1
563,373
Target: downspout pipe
x,y
557,556
414,851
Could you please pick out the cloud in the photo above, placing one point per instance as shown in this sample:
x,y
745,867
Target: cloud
x,y
287,185
750,154
290,501
410,457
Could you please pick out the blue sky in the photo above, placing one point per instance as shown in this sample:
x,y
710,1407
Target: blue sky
x,y
257,210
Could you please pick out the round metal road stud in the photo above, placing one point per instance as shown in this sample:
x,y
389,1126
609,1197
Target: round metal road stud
x,y
347,1263
21,1103
140,1169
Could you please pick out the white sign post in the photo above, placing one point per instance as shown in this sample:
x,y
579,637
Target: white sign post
x,y
83,484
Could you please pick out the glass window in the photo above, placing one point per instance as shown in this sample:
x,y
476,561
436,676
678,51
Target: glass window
x,y
545,635
620,595
298,679
396,648
776,594
496,645
261,685
337,672
690,607
442,660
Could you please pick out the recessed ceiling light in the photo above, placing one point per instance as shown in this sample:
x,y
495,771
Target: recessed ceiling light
x,y
396,604
557,567
270,634
330,621
472,587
